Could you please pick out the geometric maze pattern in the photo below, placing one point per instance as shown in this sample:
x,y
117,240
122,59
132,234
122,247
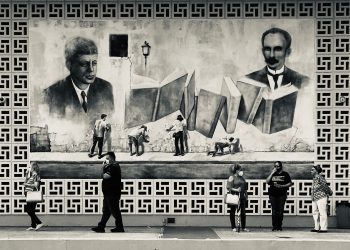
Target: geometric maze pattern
x,y
192,197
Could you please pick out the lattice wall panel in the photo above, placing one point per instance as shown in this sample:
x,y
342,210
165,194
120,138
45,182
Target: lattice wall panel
x,y
332,83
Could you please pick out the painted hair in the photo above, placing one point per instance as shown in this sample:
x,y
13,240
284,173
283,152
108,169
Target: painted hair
x,y
78,46
284,33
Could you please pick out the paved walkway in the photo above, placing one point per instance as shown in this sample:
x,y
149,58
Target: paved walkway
x,y
153,233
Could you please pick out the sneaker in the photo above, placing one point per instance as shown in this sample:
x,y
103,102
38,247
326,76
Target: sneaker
x,y
314,230
234,229
98,229
117,230
30,228
39,226
245,230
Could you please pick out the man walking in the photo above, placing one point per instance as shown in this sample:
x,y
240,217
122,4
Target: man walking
x,y
111,188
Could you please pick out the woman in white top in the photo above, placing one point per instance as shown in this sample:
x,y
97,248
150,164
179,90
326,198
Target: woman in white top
x,y
31,183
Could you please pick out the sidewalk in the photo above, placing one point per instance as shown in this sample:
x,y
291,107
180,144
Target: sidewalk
x,y
183,238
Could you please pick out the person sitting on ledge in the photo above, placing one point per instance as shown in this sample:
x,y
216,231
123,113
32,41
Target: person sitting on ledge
x,y
231,143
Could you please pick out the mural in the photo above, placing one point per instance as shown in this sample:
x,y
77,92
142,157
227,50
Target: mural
x,y
99,83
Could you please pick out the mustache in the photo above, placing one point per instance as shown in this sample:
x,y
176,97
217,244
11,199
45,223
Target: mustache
x,y
271,60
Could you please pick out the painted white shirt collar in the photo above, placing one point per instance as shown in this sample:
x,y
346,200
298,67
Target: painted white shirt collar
x,y
78,92
270,78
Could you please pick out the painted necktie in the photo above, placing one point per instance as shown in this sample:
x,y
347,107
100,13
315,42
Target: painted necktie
x,y
84,104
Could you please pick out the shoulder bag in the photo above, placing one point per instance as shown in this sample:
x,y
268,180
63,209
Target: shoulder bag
x,y
34,196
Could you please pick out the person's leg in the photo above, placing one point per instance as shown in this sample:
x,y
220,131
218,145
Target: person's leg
x,y
94,142
186,142
181,137
106,213
232,216
243,203
131,141
177,149
136,144
115,210
36,219
142,146
281,201
322,206
273,202
316,215
100,145
29,210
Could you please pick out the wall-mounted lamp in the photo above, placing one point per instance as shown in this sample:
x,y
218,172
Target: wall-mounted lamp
x,y
146,49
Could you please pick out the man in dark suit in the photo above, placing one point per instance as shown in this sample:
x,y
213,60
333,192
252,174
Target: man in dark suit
x,y
276,47
112,189
81,93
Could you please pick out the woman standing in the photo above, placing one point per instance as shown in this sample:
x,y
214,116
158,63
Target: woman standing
x,y
31,183
320,194
236,184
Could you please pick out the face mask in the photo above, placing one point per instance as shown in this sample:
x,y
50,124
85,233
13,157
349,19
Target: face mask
x,y
240,173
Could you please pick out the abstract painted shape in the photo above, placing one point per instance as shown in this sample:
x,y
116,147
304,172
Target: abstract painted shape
x,y
170,94
276,110
252,92
208,112
228,117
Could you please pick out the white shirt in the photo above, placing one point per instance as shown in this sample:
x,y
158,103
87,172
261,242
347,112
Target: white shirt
x,y
78,92
270,78
179,125
99,128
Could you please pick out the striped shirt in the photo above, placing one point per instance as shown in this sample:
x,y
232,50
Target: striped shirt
x,y
320,188
31,179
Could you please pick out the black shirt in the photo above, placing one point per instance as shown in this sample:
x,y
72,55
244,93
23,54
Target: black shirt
x,y
282,179
113,185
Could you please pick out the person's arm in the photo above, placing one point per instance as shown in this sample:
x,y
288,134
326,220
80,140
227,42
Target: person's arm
x,y
106,172
269,178
170,128
325,186
229,185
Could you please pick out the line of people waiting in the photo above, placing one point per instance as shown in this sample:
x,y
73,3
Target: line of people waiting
x,y
278,180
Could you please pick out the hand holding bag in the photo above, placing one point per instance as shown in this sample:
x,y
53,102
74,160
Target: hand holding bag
x,y
231,199
34,196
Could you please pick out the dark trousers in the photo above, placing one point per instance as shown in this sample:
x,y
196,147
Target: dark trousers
x,y
179,137
111,207
220,146
133,140
30,209
277,206
99,142
242,205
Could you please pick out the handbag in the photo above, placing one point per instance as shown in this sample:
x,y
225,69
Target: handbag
x,y
231,199
34,196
